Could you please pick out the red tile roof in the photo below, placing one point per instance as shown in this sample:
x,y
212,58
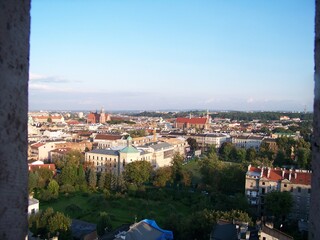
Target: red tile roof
x,y
302,177
192,120
37,145
108,137
38,166
73,122
46,117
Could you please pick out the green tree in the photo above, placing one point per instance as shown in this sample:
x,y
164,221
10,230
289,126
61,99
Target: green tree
x,y
177,168
280,159
225,151
104,224
33,181
81,178
237,155
68,175
304,158
92,180
210,168
193,144
60,223
137,172
199,224
101,181
45,175
251,154
163,175
231,179
279,203
53,188
266,152
48,223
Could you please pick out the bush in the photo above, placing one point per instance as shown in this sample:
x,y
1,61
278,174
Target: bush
x,y
67,188
46,195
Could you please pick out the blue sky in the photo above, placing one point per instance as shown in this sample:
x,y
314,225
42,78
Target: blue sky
x,y
171,54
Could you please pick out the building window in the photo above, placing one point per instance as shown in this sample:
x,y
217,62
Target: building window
x,y
299,189
93,157
285,185
263,183
309,190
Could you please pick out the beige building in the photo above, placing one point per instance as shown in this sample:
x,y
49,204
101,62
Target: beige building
x,y
40,150
115,160
247,141
260,181
159,154
179,144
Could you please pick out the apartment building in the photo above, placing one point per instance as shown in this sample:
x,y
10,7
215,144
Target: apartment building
x,y
115,160
263,180
247,141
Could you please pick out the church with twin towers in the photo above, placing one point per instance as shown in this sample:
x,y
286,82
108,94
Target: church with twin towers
x,y
96,117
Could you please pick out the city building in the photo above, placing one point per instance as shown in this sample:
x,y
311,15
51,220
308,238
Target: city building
x,y
96,117
247,141
115,160
263,180
195,123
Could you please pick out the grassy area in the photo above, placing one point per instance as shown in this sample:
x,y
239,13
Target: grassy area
x,y
122,209
193,166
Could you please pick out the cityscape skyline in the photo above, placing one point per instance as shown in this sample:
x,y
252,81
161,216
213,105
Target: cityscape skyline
x,y
141,55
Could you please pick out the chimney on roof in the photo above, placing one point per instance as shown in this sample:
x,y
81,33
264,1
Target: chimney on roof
x,y
289,176
282,173
268,174
295,175
249,167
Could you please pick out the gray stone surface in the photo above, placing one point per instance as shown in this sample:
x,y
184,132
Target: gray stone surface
x,y
314,223
14,71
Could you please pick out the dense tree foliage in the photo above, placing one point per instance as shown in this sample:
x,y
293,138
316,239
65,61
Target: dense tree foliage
x,y
232,115
199,224
137,172
162,176
48,223
92,179
279,204
193,144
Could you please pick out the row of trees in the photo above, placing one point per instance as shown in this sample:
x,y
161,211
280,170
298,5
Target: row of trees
x,y
233,115
74,175
287,151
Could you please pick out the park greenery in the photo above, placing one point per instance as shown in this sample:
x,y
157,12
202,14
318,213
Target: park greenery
x,y
187,197
232,115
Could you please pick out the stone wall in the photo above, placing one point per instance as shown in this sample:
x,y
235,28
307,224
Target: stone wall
x,y
314,223
14,74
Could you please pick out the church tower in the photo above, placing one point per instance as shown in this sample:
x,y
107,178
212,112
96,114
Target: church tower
x,y
102,116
